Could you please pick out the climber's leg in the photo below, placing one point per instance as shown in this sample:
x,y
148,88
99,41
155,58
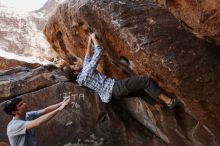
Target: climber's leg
x,y
130,87
134,84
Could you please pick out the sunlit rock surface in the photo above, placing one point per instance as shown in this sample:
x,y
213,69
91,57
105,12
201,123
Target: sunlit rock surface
x,y
21,32
156,44
6,64
200,17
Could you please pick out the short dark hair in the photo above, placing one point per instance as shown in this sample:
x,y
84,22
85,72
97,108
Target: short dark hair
x,y
69,73
11,105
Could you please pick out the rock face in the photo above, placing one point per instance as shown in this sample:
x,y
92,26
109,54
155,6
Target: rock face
x,y
21,32
87,121
155,43
6,64
200,17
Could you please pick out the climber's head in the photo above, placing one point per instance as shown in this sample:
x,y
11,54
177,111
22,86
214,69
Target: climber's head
x,y
76,68
72,71
15,106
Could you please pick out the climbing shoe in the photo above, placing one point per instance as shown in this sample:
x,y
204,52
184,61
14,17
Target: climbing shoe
x,y
173,104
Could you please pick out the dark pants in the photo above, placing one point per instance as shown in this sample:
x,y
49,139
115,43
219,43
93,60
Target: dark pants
x,y
137,86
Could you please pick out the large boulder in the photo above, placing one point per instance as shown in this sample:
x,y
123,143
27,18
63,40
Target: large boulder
x,y
202,18
154,43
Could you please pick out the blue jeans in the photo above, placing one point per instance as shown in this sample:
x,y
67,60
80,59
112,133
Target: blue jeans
x,y
137,86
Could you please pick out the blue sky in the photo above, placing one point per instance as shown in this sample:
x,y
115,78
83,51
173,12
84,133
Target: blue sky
x,y
26,5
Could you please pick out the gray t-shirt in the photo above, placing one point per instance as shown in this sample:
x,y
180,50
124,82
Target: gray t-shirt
x,y
18,134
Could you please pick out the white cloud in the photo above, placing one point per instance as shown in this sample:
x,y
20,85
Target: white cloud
x,y
25,5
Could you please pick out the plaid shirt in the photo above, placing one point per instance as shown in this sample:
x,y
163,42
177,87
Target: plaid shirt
x,y
93,79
